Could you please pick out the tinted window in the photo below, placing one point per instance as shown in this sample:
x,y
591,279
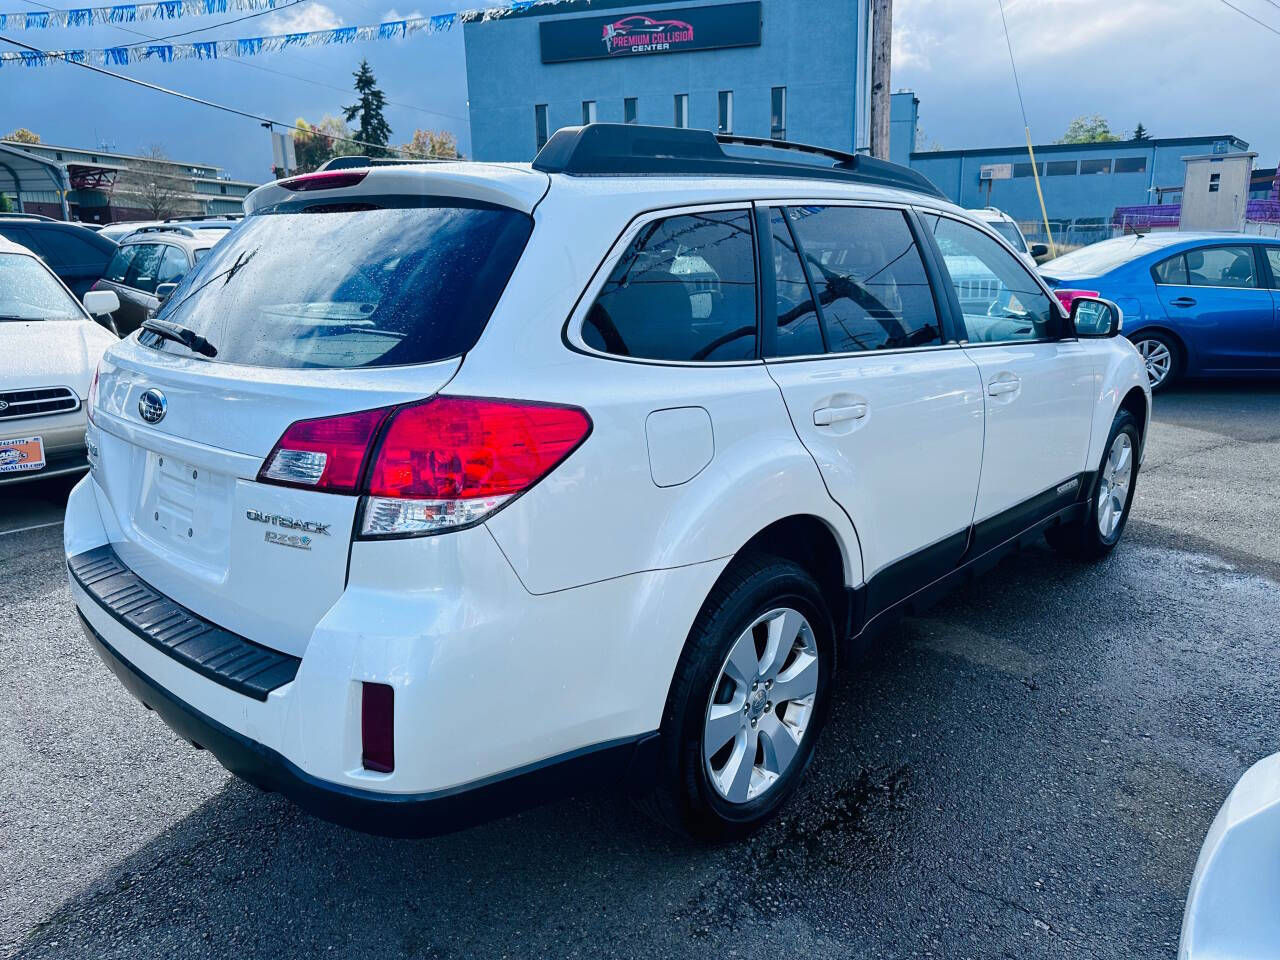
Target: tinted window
x,y
173,265
1010,232
1131,165
28,291
684,290
1221,267
1000,300
1026,170
1173,270
65,248
386,286
141,274
1095,166
19,235
1273,255
119,265
869,278
1060,168
799,332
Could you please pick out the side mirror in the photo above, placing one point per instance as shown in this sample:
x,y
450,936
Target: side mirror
x,y
1095,317
1039,250
100,303
164,291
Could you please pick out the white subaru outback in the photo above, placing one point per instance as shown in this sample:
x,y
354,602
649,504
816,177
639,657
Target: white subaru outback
x,y
437,490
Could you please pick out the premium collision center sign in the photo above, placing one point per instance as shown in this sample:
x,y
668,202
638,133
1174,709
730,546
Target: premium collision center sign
x,y
661,30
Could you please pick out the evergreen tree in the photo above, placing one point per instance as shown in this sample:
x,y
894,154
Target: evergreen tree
x,y
373,128
1140,133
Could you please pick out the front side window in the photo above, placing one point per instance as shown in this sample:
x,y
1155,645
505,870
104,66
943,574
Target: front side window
x,y
1221,267
998,297
799,330
118,268
173,266
870,281
28,291
685,289
412,280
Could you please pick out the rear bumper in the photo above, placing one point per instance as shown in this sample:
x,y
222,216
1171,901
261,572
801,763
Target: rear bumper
x,y
396,815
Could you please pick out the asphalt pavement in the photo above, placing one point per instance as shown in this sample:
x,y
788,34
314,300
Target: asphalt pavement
x,y
1026,771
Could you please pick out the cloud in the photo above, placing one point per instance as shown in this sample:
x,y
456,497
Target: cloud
x,y
302,19
394,14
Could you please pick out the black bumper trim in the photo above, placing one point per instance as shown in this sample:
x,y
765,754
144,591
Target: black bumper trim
x,y
220,655
627,762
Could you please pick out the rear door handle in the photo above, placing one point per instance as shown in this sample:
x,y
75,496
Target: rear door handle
x,y
1000,387
1183,302
826,416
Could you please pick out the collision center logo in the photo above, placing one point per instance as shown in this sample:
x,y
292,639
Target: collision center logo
x,y
641,34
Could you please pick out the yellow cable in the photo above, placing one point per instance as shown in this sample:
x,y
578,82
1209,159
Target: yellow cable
x,y
1035,172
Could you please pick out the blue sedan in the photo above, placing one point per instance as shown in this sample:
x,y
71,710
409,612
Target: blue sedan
x,y
1195,304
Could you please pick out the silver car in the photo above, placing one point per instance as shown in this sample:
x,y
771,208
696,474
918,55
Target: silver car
x,y
49,350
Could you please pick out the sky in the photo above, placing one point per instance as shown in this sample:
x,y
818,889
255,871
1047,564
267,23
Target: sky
x,y
1180,67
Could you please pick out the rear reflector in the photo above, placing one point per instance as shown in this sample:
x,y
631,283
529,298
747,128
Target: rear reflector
x,y
325,180
1068,297
326,454
377,727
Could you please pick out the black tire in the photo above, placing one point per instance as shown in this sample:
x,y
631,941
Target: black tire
x,y
1083,538
1176,356
683,797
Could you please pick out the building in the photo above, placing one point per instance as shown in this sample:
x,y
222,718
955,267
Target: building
x,y
787,69
98,186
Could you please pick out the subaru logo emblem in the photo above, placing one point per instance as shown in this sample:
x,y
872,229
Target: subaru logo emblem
x,y
152,406
4,405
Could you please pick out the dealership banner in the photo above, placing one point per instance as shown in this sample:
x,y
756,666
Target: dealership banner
x,y
656,31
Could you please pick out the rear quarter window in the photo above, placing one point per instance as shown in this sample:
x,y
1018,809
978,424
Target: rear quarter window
x,y
388,282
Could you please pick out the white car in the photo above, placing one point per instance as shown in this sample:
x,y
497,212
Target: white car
x,y
1008,228
49,347
437,490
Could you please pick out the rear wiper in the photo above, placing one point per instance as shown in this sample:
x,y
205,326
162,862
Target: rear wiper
x,y
180,334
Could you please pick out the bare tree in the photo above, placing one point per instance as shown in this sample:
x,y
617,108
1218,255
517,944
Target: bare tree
x,y
156,186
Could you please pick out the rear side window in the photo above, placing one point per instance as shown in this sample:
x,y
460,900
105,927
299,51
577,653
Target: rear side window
x,y
400,281
1173,270
869,278
799,330
67,247
684,290
173,265
144,266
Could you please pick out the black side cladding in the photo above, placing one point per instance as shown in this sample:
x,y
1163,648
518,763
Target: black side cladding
x,y
222,656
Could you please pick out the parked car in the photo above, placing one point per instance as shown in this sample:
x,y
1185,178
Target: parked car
x,y
76,254
147,260
1008,228
118,231
223,221
1195,304
49,347
1231,908
423,511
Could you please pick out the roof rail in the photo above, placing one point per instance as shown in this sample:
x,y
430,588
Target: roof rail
x,y
12,215
195,217
628,149
164,228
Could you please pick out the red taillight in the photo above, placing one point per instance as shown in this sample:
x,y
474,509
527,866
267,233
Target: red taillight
x,y
325,454
440,464
325,180
1068,297
377,727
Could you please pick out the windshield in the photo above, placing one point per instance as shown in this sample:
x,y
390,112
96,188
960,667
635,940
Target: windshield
x,y
1010,232
405,282
28,291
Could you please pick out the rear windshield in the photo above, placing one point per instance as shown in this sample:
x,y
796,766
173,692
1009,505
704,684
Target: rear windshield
x,y
402,282
28,291
1099,258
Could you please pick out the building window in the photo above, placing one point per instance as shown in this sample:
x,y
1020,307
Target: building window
x,y
1095,166
725,123
223,189
682,109
588,111
778,114
1060,168
629,111
540,124
1215,182
58,154
1131,165
1025,170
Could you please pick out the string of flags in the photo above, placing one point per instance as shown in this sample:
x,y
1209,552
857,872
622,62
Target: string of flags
x,y
177,9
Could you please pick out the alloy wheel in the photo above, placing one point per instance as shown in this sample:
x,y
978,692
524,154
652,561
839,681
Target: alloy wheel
x,y
1113,486
1158,359
760,705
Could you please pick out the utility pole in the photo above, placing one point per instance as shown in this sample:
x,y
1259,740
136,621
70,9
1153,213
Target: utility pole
x,y
881,57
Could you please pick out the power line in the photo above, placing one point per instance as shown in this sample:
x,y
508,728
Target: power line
x,y
1265,26
258,66
205,103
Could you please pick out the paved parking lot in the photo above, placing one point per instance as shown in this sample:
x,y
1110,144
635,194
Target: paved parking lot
x,y
1027,771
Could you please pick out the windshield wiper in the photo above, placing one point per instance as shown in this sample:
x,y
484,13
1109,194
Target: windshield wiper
x,y
180,334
